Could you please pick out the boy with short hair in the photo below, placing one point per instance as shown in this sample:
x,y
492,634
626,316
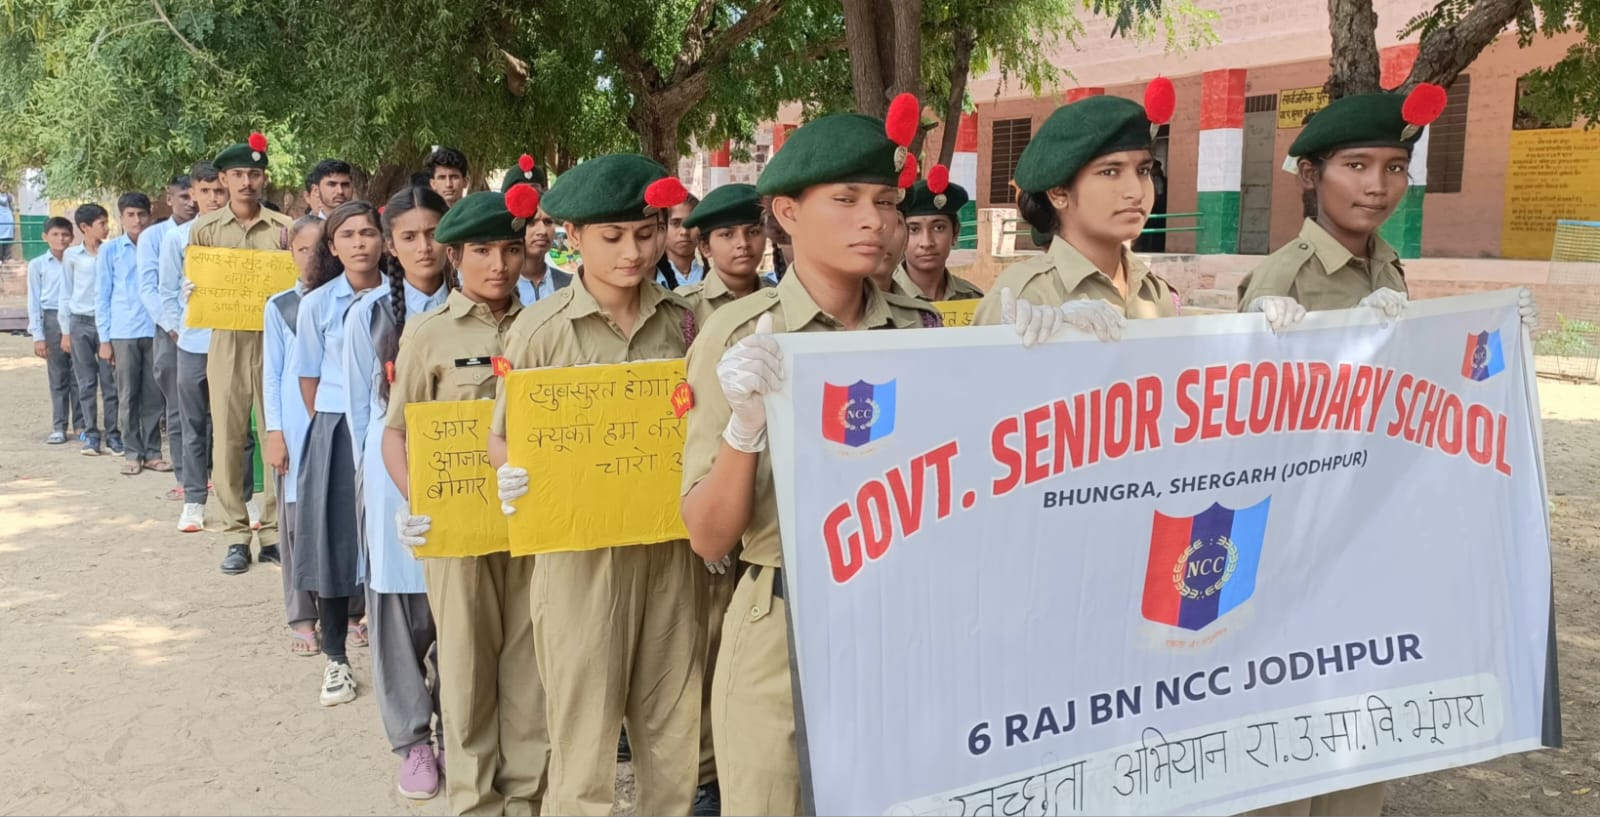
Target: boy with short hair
x,y
81,337
180,200
127,336
332,180
447,174
46,297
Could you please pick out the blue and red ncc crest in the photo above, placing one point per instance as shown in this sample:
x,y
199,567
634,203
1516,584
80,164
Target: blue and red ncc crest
x,y
1203,566
859,413
1484,358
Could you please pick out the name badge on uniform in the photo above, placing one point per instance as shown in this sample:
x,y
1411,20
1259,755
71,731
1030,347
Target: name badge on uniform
x,y
462,362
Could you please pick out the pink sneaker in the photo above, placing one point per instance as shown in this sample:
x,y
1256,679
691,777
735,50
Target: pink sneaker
x,y
419,776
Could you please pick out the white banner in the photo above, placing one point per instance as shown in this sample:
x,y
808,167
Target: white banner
x,y
1203,570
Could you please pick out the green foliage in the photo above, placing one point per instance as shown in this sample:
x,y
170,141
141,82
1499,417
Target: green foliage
x,y
1570,338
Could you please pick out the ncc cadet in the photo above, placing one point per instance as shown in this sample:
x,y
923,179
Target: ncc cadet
x,y
933,220
1355,155
538,279
491,700
894,251
835,188
233,367
733,240
1085,181
618,631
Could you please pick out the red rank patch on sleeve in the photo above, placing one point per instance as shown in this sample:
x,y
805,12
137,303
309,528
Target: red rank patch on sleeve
x,y
501,366
388,370
682,400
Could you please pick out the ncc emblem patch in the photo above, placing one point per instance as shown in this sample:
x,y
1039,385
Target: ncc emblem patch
x,y
1484,357
1203,566
859,413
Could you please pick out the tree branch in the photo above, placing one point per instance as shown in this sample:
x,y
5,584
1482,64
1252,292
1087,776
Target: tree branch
x,y
720,48
1353,67
694,36
1448,50
106,35
162,13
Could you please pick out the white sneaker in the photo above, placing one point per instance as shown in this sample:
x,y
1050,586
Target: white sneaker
x,y
255,514
338,684
193,518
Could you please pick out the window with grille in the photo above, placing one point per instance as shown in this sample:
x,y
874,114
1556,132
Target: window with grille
x,y
1010,137
1447,140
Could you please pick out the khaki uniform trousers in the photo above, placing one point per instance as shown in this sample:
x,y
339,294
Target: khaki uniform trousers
x,y
1361,801
752,704
490,699
233,372
719,592
620,636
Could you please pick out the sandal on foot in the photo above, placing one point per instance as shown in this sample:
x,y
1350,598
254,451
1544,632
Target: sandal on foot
x,y
161,466
304,644
132,469
357,636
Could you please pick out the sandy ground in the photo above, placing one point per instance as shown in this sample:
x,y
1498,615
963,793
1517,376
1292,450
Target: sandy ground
x,y
139,679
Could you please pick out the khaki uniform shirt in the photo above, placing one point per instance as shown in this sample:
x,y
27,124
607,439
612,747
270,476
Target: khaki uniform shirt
x,y
792,310
711,293
447,354
1318,272
221,228
568,329
956,288
1062,274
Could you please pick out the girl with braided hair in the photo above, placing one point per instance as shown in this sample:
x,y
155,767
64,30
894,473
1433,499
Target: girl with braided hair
x,y
402,628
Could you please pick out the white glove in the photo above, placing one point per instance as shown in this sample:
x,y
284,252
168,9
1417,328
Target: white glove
x,y
1526,308
188,288
412,530
749,369
1034,324
1281,312
720,566
513,485
1388,302
1093,316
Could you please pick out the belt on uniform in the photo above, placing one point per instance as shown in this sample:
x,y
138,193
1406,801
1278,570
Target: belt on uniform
x,y
777,580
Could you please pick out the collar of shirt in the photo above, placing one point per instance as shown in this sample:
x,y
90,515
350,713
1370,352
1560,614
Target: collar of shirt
x,y
418,302
799,309
583,303
458,306
694,275
1335,257
530,292
1072,267
909,285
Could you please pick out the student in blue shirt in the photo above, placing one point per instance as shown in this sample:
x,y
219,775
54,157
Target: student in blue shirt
x,y
681,264
327,533
45,300
127,338
402,629
80,336
148,257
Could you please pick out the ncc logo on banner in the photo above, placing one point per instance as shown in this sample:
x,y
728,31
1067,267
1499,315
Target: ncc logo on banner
x,y
1484,358
857,414
1203,566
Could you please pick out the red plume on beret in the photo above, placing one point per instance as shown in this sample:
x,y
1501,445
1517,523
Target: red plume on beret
x,y
665,194
908,174
257,141
938,179
1423,104
522,200
1160,99
901,123
525,163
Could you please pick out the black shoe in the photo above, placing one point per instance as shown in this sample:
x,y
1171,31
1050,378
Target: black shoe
x,y
708,800
269,555
237,561
624,753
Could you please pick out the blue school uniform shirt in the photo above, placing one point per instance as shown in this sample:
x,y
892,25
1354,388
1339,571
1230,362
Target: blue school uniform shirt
x,y
77,285
282,404
319,342
45,276
169,285
118,312
390,566
147,257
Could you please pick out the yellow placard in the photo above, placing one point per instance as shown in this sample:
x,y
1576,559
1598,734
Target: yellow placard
x,y
447,451
1295,104
604,451
1551,175
957,313
231,287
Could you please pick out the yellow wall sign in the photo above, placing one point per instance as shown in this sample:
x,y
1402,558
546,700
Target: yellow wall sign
x,y
957,313
447,451
603,447
1295,104
1551,175
231,287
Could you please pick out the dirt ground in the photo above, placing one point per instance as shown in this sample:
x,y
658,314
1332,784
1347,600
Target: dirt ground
x,y
139,679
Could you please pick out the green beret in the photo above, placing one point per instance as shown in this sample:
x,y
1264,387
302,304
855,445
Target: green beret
x,y
1077,134
242,155
845,147
604,190
1363,120
479,217
517,175
922,201
727,206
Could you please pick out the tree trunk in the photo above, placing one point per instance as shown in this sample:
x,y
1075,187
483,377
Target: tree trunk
x,y
965,41
1354,67
657,126
861,21
1450,49
388,178
907,49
